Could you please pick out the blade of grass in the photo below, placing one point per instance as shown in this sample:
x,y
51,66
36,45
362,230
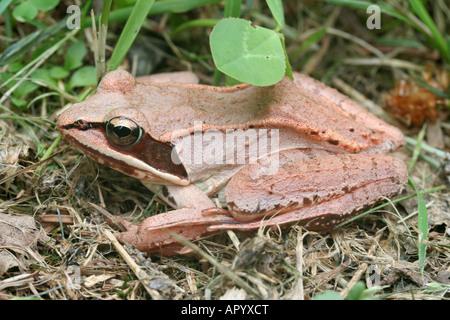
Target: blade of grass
x,y
422,225
384,9
424,24
309,41
33,65
130,31
419,9
426,147
195,24
7,18
232,8
381,206
417,148
431,161
100,52
22,47
4,4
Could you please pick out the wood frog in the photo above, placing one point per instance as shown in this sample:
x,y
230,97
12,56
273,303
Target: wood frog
x,y
327,155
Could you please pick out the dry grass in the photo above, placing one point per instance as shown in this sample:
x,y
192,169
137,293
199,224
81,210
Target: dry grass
x,y
73,255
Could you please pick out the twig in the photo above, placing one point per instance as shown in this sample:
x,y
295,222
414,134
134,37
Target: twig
x,y
140,274
363,267
394,63
298,289
355,94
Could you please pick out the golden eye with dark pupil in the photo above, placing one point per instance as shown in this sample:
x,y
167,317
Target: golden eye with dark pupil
x,y
123,131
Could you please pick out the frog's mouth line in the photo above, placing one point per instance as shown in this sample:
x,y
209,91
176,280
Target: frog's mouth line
x,y
148,160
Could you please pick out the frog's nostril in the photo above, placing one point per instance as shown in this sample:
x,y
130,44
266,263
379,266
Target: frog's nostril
x,y
81,124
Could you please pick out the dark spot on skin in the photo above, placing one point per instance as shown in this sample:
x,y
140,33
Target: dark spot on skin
x,y
333,142
171,200
323,131
345,189
314,133
231,205
165,191
306,201
315,197
351,130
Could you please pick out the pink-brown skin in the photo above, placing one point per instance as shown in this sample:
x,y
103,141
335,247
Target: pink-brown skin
x,y
318,187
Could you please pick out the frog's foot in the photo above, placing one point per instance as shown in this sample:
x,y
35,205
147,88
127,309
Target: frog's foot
x,y
154,233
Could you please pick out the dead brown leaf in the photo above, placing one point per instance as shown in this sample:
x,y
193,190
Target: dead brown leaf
x,y
19,236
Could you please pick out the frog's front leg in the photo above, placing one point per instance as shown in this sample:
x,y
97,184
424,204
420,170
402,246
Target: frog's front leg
x,y
318,193
188,220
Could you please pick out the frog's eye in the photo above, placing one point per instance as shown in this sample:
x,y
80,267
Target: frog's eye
x,y
123,131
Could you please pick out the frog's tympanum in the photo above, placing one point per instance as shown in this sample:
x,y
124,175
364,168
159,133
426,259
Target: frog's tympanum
x,y
294,152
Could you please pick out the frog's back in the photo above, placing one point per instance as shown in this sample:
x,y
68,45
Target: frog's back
x,y
285,105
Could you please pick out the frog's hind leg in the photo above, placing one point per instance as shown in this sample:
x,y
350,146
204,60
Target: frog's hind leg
x,y
319,192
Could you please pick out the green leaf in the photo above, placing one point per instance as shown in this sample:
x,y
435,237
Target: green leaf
x,y
20,103
44,76
24,88
75,55
15,67
44,5
25,11
86,76
359,292
276,7
18,49
249,54
327,295
58,72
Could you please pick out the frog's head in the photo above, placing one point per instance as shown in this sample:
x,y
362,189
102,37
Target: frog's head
x,y
109,128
